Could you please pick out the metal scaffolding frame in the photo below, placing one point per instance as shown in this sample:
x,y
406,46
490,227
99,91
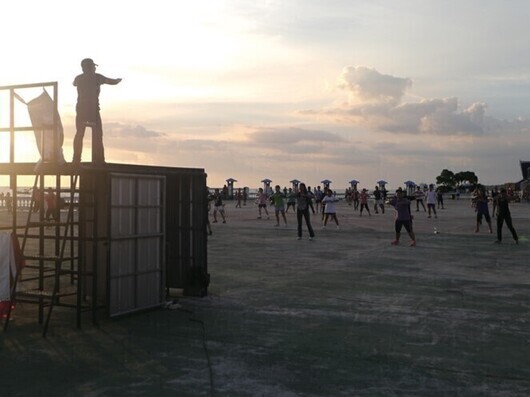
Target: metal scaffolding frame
x,y
47,246
69,258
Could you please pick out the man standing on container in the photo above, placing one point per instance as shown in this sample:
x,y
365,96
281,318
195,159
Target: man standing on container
x,y
88,87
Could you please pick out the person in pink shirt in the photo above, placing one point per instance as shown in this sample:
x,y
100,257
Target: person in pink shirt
x,y
262,202
364,202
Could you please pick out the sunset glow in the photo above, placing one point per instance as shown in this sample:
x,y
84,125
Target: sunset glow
x,y
283,90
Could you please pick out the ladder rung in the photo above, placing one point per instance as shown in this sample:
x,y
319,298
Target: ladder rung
x,y
48,237
45,269
25,280
51,223
36,267
66,190
35,293
44,294
50,258
43,257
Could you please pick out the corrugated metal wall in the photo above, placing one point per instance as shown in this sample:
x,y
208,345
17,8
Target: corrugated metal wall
x,y
143,229
186,226
136,243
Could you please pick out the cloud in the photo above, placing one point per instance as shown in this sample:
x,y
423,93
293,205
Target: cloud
x,y
368,85
202,146
434,117
294,141
126,131
291,135
134,141
376,102
366,141
445,120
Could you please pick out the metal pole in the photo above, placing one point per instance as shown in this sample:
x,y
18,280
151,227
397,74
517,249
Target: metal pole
x,y
55,139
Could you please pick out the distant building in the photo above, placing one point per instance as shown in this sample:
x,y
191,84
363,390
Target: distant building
x,y
524,184
525,169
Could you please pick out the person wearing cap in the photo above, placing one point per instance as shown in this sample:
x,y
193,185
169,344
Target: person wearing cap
x,y
88,87
403,217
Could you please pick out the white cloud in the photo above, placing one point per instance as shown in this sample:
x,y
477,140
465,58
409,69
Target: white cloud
x,y
290,135
126,131
215,86
368,85
445,120
376,102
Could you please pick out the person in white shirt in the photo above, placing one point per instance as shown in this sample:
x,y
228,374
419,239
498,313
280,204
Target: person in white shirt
x,y
330,210
419,198
430,198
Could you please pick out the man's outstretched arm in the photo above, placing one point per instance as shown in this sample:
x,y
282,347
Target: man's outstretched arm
x,y
111,81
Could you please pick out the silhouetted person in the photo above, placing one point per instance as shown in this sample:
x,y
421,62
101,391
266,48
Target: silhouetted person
x,y
51,204
378,203
481,206
419,195
504,215
302,211
9,202
88,86
36,196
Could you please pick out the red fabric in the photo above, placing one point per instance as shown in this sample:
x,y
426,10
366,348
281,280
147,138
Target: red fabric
x,y
4,307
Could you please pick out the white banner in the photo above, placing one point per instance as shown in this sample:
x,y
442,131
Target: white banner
x,y
41,111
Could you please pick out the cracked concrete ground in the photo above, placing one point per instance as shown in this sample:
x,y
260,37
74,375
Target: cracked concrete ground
x,y
344,315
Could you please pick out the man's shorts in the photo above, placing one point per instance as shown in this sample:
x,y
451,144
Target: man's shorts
x,y
406,224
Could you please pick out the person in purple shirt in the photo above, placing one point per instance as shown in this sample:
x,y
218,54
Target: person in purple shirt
x,y
403,217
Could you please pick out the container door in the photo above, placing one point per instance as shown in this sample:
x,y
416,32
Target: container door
x,y
136,252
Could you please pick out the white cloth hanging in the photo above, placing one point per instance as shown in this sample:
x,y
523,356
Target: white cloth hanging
x,y
8,268
41,112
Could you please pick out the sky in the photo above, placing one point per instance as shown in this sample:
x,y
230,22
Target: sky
x,y
297,89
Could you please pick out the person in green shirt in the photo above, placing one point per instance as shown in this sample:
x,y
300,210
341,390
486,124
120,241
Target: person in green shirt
x,y
291,200
279,207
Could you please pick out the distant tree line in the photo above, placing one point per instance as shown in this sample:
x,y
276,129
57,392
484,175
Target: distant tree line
x,y
449,181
